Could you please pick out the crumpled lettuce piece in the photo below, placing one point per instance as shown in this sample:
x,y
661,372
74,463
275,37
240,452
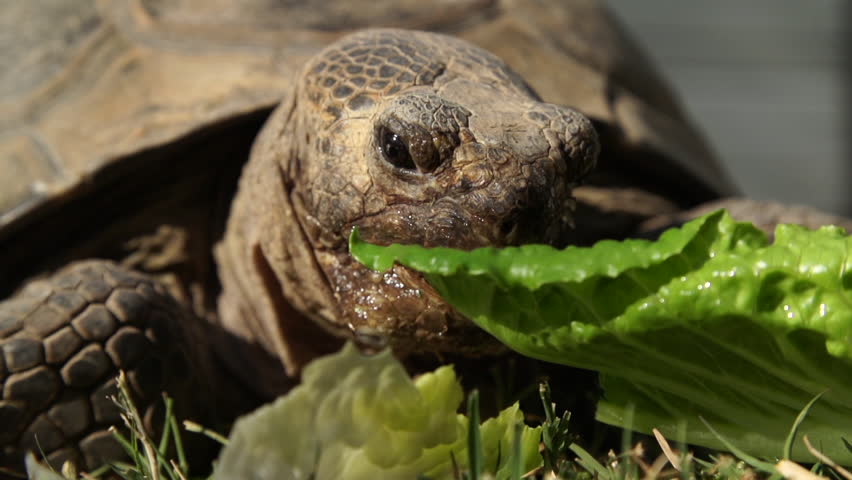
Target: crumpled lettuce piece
x,y
360,417
37,471
710,320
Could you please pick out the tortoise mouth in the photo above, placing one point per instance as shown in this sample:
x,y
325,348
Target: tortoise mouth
x,y
401,310
520,218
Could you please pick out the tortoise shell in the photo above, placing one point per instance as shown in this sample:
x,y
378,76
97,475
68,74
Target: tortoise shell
x,y
105,102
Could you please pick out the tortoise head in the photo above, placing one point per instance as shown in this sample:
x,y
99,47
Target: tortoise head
x,y
414,138
422,138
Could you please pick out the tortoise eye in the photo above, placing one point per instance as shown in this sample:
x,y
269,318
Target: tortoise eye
x,y
394,150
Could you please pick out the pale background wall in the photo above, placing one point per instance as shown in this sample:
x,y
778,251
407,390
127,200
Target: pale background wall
x,y
769,83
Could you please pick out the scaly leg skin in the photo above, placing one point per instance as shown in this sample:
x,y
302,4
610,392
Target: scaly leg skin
x,y
62,343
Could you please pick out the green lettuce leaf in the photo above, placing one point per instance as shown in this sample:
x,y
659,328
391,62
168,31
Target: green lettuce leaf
x,y
710,320
360,417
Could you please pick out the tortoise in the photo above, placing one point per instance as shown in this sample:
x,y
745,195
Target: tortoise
x,y
129,128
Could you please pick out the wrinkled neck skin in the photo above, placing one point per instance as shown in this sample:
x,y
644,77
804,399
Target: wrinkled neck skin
x,y
413,138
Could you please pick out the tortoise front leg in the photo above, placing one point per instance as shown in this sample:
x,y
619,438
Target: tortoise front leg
x,y
63,341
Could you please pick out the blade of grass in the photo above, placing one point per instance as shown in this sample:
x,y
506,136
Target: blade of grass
x,y
43,455
670,454
549,453
134,422
127,445
627,468
753,461
687,459
555,435
167,425
826,460
626,432
193,427
587,461
791,437
181,454
474,437
515,460
98,472
178,469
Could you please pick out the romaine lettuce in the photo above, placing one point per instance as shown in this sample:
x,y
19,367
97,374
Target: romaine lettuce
x,y
710,320
359,417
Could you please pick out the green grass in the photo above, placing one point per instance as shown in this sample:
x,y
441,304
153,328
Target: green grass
x,y
564,457
148,459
